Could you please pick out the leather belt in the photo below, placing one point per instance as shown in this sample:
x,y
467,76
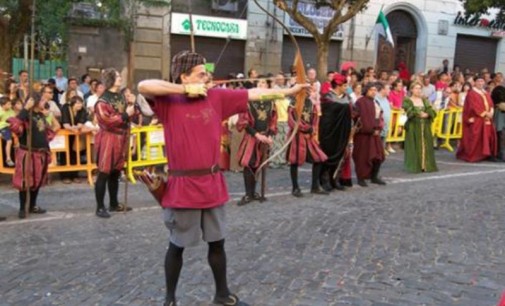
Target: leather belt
x,y
44,150
122,133
194,172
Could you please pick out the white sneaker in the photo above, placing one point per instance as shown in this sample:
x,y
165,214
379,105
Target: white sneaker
x,y
390,150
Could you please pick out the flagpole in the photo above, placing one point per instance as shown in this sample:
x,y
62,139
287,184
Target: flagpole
x,y
192,30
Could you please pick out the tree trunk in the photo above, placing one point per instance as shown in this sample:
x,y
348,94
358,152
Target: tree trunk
x,y
5,53
322,59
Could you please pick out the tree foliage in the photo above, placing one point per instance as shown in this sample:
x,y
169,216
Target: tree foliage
x,y
483,7
343,10
51,24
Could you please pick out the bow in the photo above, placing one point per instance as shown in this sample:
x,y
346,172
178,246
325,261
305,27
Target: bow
x,y
300,96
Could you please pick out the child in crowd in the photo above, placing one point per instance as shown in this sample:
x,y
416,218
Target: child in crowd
x,y
6,112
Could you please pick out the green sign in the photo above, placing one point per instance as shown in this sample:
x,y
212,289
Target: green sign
x,y
210,67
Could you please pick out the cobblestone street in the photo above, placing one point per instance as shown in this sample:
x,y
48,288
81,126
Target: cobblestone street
x,y
430,239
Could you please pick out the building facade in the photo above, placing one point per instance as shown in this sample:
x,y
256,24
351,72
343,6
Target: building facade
x,y
425,33
237,36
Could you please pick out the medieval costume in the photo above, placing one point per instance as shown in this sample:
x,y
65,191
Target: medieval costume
x,y
261,117
304,147
111,143
368,153
418,145
498,96
334,131
31,169
196,190
479,135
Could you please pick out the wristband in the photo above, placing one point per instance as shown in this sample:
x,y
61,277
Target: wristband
x,y
268,97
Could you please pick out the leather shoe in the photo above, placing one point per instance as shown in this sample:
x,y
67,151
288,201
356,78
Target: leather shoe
x,y
37,210
339,186
378,181
230,300
22,214
297,193
362,183
245,200
102,213
319,191
346,182
170,302
2,219
119,208
327,187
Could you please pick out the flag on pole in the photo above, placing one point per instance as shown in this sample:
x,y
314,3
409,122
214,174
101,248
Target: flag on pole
x,y
382,27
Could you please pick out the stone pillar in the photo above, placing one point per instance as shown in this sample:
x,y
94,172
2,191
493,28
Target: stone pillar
x,y
151,45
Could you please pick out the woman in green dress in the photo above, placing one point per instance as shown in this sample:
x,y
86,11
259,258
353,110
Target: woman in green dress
x,y
418,146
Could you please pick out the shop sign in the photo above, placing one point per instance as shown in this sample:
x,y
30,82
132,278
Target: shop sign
x,y
209,26
319,16
476,20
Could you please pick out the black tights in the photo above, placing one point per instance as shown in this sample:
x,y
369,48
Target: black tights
x,y
250,181
217,261
112,181
316,174
33,199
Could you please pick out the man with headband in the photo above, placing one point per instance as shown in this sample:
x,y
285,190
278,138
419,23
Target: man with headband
x,y
196,191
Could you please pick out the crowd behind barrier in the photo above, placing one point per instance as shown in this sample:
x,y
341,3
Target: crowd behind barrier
x,y
147,143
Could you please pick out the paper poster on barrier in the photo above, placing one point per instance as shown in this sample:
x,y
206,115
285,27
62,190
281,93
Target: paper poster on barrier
x,y
156,138
58,143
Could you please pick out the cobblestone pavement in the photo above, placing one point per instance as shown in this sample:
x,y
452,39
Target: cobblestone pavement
x,y
429,239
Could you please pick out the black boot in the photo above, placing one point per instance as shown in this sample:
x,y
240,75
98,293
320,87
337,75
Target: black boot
x,y
346,182
324,178
375,174
316,175
293,171
250,184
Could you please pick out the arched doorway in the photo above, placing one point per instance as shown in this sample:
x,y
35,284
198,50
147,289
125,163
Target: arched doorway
x,y
404,30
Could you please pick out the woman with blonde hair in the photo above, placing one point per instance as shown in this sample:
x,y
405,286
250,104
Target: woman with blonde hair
x,y
418,145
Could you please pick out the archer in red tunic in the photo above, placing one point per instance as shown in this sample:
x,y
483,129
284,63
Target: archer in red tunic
x,y
196,191
113,116
479,134
368,153
304,147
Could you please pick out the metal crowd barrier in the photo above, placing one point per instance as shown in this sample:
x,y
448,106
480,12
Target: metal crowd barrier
x,y
147,142
61,145
396,131
147,148
448,126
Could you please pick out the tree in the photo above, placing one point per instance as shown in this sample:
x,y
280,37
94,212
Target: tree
x,y
15,18
482,7
51,24
343,11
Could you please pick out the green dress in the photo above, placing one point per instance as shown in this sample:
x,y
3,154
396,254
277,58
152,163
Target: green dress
x,y
418,146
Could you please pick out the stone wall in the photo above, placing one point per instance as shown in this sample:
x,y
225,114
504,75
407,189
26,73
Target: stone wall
x,y
91,49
